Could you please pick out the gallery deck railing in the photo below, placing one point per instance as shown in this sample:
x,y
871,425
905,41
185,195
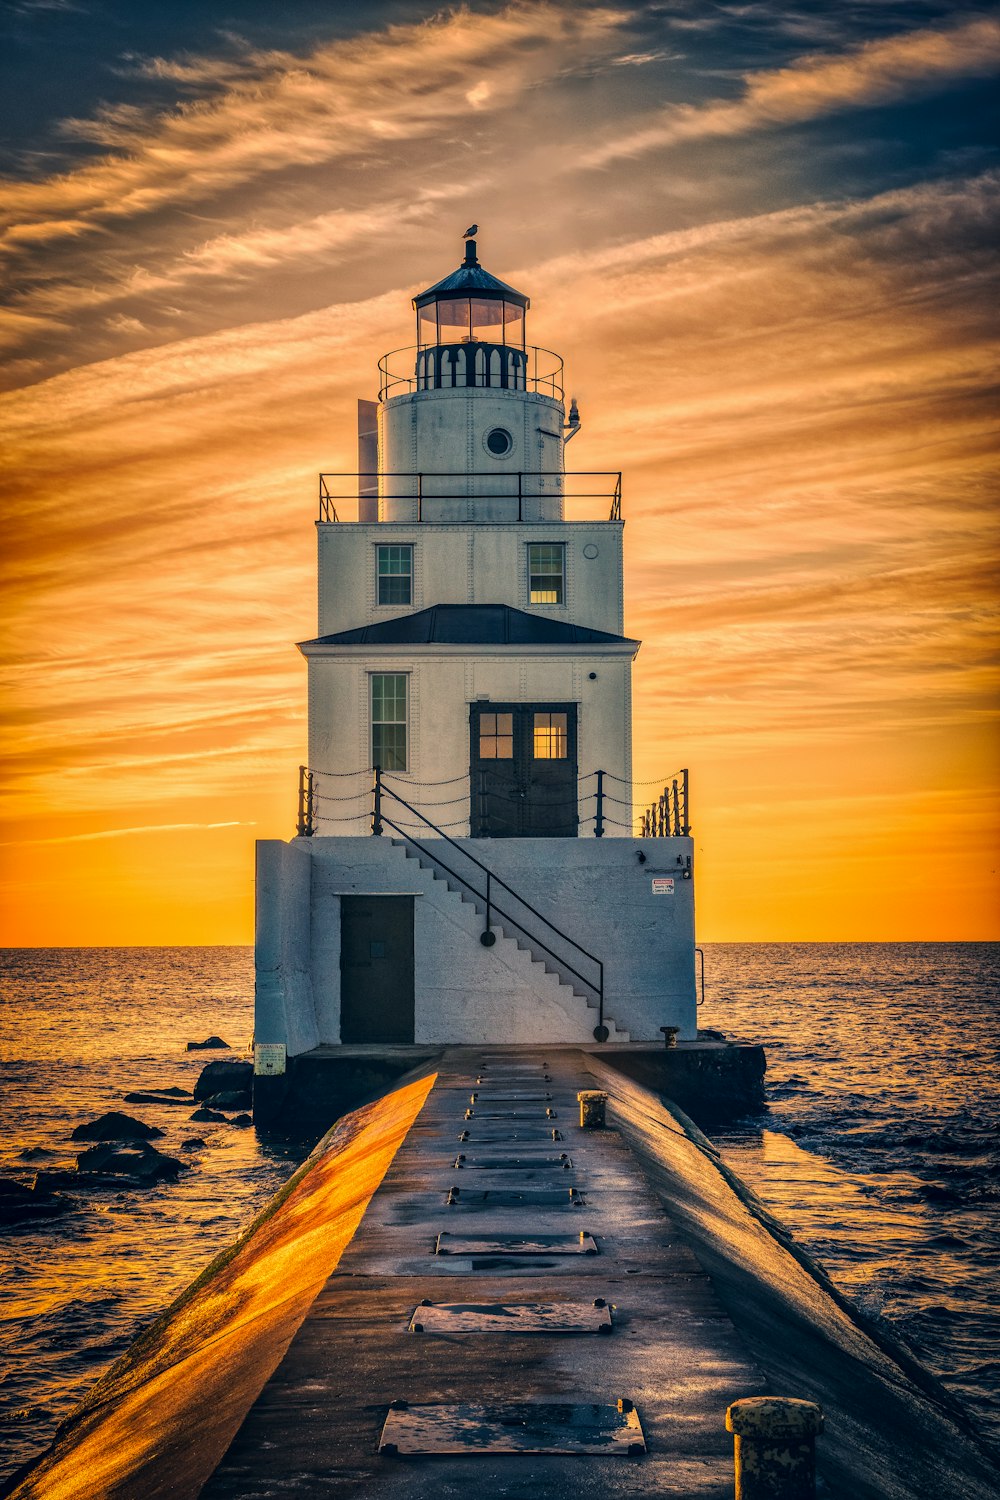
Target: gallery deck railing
x,y
520,488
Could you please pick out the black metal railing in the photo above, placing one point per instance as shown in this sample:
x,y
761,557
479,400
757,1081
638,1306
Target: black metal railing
x,y
380,821
667,817
520,488
471,364
601,799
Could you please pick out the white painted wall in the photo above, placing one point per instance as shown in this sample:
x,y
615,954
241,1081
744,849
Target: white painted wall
x,y
462,564
445,430
283,1005
597,891
443,682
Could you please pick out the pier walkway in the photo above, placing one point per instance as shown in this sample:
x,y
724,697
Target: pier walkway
x,y
515,1284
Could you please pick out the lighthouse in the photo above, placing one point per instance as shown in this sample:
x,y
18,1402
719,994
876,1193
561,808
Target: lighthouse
x,y
469,867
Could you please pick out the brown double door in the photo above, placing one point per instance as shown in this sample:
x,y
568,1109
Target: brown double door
x,y
524,770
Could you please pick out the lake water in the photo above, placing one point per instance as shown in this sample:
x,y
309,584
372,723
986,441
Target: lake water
x,y
879,1145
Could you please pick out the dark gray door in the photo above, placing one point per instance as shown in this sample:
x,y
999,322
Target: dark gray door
x,y
524,770
376,968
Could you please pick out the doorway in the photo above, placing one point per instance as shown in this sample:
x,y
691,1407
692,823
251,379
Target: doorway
x,y
376,969
524,770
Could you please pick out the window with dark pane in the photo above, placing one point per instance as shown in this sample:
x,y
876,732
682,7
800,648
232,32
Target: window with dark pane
x,y
389,749
395,574
546,573
551,736
496,736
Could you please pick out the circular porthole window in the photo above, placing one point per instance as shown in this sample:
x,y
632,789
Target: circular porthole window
x,y
499,442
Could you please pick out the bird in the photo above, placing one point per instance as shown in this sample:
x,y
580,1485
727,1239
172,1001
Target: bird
x,y
472,229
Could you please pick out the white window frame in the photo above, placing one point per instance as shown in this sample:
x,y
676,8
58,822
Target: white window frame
x,y
405,721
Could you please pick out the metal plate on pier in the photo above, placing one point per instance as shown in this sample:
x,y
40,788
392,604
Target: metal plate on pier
x,y
513,1080
495,1097
478,1113
526,1164
515,1244
514,1197
516,1427
493,1131
512,1317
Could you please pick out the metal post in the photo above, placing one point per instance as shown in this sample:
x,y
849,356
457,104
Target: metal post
x,y
599,819
520,491
676,828
420,497
488,937
310,804
301,828
775,1447
377,803
686,829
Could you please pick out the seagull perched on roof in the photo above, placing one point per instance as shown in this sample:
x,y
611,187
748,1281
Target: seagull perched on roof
x,y
472,229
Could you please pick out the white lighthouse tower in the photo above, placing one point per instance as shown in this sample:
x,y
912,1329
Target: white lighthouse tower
x,y
467,868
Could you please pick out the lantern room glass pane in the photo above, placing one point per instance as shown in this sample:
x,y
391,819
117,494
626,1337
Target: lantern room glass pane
x,y
513,324
487,321
453,321
427,324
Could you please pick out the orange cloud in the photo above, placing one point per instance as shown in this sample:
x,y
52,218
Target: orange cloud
x,y
876,73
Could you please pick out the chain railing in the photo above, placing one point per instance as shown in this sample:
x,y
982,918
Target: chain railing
x,y
666,817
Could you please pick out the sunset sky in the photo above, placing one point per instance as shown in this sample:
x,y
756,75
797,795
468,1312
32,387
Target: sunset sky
x,y
763,237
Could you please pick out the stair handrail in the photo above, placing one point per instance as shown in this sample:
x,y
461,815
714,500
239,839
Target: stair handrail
x,y
381,789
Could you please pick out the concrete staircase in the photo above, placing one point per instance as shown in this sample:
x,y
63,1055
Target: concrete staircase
x,y
545,974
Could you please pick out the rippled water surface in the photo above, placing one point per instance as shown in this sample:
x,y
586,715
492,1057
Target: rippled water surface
x,y
879,1145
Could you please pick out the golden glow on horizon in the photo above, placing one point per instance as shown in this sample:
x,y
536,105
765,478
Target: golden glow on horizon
x,y
795,396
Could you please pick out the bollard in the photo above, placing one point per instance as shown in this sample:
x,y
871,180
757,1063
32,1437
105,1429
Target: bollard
x,y
670,1035
775,1447
592,1106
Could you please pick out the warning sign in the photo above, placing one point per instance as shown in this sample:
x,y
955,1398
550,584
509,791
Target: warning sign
x,y
268,1059
663,885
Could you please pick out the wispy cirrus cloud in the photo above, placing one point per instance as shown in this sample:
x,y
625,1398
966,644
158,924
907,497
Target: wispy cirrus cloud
x,y
878,72
278,110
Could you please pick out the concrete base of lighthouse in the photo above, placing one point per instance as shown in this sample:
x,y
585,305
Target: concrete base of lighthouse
x,y
626,904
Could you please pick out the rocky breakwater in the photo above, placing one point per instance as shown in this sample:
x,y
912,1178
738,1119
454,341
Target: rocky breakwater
x,y
119,1155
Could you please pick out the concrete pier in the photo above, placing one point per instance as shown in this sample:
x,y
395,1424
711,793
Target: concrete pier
x,y
464,1291
672,1352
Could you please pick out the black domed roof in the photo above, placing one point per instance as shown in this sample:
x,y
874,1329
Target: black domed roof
x,y
468,281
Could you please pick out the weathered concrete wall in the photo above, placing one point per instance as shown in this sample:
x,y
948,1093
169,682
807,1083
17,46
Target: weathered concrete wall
x,y
463,991
284,1010
892,1432
157,1425
595,890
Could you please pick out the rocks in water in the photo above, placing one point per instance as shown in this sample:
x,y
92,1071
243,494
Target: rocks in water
x,y
231,1099
142,1162
35,1153
114,1126
208,1117
194,1143
22,1204
57,1177
209,1042
242,1120
173,1096
223,1078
